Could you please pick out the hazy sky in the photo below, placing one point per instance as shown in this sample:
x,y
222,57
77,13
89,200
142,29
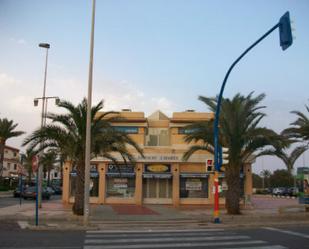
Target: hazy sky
x,y
152,54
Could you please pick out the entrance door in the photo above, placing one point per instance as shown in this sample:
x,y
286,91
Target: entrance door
x,y
157,191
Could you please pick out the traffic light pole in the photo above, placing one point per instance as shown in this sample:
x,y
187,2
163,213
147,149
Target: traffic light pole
x,y
216,124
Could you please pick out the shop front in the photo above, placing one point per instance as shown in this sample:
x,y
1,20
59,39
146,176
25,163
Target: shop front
x,y
157,184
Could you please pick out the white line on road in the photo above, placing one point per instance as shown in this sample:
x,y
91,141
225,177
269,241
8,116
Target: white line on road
x,y
176,245
261,247
23,224
118,241
178,234
303,235
156,231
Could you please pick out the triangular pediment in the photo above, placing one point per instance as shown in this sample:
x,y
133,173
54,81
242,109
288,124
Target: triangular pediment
x,y
158,115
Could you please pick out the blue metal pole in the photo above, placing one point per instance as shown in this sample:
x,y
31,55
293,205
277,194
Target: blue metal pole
x,y
37,199
216,122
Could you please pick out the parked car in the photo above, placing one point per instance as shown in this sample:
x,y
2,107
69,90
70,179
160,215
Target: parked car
x,y
31,193
57,189
278,191
293,191
17,193
50,190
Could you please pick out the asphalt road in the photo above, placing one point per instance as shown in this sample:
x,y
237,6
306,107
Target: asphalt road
x,y
10,201
293,237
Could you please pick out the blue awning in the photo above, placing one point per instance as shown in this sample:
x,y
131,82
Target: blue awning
x,y
194,175
128,175
158,175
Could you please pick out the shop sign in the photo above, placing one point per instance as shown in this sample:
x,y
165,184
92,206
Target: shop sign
x,y
157,168
120,183
194,184
112,168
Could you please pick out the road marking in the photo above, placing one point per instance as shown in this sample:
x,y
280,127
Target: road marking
x,y
23,224
303,235
261,247
155,231
130,235
213,238
175,245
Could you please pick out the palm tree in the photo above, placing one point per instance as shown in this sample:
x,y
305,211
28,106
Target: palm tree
x,y
289,159
27,163
7,130
67,133
265,174
239,132
48,160
300,128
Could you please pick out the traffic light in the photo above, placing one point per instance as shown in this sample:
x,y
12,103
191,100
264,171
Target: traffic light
x,y
285,31
209,165
222,157
225,156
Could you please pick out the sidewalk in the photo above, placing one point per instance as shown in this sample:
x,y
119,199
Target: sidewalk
x,y
55,215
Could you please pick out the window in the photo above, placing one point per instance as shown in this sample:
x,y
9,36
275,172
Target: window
x,y
185,131
123,187
15,154
15,166
158,137
120,181
127,129
9,166
193,187
56,174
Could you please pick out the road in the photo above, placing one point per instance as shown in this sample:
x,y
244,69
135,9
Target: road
x,y
10,201
292,237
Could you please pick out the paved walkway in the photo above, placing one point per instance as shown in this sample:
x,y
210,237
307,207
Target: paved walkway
x,y
265,209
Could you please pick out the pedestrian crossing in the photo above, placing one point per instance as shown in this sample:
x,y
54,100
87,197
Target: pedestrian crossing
x,y
197,238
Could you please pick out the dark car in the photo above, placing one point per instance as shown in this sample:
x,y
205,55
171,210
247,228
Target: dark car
x,y
293,191
57,189
17,193
30,193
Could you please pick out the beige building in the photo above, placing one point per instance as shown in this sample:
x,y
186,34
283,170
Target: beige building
x,y
162,177
11,162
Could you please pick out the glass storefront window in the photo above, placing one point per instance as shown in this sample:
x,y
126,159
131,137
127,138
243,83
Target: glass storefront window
x,y
193,187
94,182
121,187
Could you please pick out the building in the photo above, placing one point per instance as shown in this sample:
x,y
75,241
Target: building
x,y
11,162
162,177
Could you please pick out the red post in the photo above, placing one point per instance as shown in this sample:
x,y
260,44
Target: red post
x,y
216,199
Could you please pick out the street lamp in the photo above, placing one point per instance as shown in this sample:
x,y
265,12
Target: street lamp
x,y
88,124
40,169
286,40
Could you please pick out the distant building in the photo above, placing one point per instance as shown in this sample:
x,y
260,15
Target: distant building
x,y
162,177
11,162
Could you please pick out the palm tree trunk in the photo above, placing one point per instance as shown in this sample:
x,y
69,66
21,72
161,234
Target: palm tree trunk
x,y
2,145
48,177
233,192
78,207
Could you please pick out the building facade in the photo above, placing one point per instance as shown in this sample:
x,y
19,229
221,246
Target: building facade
x,y
11,162
162,176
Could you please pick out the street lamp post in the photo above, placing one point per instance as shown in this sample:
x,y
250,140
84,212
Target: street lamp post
x,y
286,40
40,169
88,125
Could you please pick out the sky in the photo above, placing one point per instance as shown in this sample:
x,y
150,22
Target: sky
x,y
152,54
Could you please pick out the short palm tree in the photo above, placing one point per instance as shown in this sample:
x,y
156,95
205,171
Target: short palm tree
x,y
48,160
27,163
239,132
289,159
300,127
67,133
7,130
265,174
